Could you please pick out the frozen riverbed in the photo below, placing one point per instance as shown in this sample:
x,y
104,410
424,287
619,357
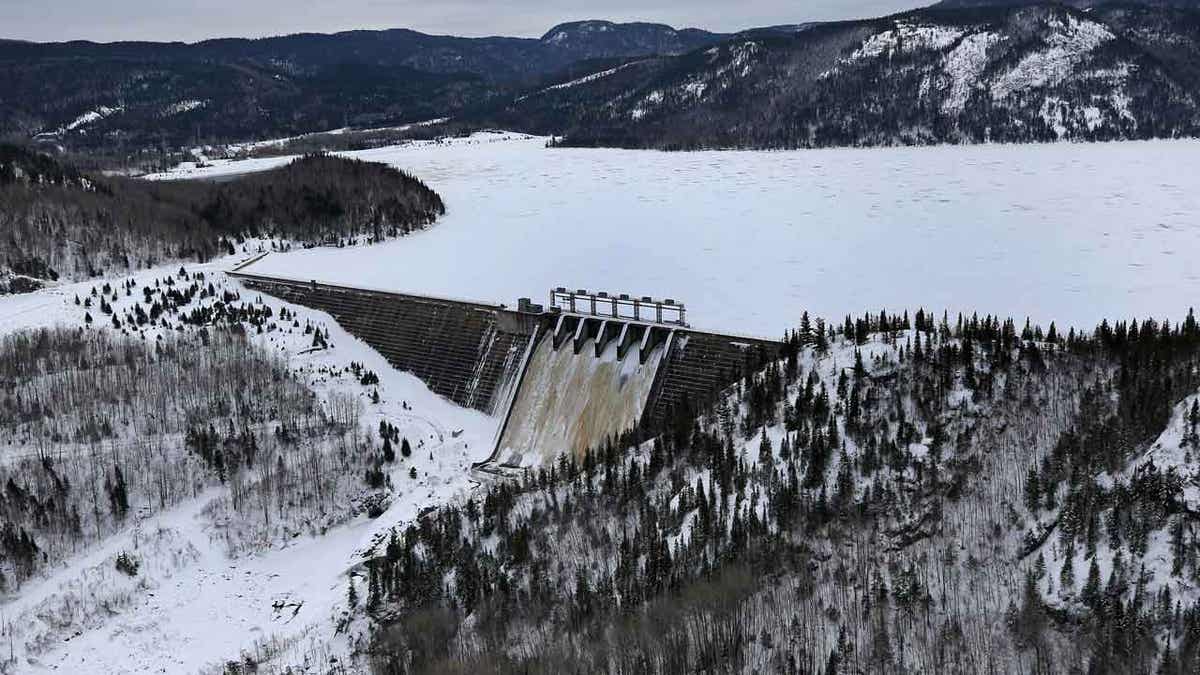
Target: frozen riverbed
x,y
1066,232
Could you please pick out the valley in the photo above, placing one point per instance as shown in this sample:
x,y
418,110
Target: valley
x,y
889,362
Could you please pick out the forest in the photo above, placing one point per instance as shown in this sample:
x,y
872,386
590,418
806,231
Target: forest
x,y
95,419
165,395
895,493
58,223
892,495
955,72
994,73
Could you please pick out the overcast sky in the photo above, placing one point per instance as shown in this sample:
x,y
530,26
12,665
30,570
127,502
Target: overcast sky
x,y
106,20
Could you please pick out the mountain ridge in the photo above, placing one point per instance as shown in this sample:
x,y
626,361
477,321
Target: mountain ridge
x,y
1078,4
1051,72
997,74
145,94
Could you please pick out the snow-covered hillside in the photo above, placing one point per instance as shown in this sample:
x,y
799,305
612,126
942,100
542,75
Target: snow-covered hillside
x,y
1162,563
998,72
876,501
920,472
213,585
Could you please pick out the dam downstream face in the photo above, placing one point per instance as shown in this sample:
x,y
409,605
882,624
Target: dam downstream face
x,y
569,402
503,362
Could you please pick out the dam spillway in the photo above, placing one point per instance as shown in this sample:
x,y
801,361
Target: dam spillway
x,y
572,400
561,378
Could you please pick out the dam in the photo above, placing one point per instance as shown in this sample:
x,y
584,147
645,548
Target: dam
x,y
570,401
561,377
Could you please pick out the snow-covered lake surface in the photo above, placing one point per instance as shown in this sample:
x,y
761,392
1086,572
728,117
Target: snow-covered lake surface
x,y
1067,232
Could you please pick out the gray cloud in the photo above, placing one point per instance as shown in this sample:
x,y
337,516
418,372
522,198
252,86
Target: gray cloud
x,y
54,20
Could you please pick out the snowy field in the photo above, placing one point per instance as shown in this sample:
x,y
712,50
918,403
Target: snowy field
x,y
1065,232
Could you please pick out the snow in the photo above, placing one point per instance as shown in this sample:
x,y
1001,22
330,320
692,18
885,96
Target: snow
x,y
192,605
93,116
965,64
1061,115
180,107
586,79
1169,452
241,148
190,615
905,38
695,88
743,55
1068,45
1067,232
1120,102
1053,114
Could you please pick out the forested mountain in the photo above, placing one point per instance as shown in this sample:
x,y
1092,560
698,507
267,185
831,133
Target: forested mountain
x,y
141,94
928,495
605,39
897,493
58,223
1081,4
1029,73
955,72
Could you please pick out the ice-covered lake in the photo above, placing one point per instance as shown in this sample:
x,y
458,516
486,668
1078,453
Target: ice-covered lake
x,y
1066,232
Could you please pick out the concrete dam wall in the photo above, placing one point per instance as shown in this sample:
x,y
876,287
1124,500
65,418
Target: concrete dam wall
x,y
560,381
571,400
467,352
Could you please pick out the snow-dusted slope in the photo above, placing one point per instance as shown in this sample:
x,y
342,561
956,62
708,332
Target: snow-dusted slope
x,y
207,591
1173,455
1020,73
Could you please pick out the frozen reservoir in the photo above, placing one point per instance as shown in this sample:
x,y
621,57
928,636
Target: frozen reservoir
x,y
1065,232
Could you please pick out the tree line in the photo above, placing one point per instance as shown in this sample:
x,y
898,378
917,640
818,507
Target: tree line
x,y
870,502
61,223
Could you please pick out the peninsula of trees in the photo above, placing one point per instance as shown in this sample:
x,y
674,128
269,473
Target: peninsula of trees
x,y
58,222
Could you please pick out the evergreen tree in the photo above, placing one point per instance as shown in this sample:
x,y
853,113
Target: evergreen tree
x,y
118,494
1032,493
821,340
1091,588
1177,547
766,457
372,586
1066,578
